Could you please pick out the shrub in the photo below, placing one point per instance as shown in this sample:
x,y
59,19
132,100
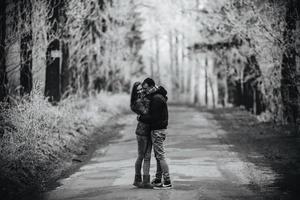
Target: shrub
x,y
38,139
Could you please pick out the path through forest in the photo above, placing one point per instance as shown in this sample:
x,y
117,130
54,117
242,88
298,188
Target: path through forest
x,y
201,165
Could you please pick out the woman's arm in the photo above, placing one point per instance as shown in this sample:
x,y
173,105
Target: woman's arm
x,y
138,107
134,108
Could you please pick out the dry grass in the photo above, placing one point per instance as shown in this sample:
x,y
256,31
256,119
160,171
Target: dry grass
x,y
38,139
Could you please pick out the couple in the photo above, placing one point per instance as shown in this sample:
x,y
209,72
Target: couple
x,y
149,102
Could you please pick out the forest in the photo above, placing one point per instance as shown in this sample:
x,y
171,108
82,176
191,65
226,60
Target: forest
x,y
223,53
64,58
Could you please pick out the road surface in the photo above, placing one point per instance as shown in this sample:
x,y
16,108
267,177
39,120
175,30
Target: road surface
x,y
201,165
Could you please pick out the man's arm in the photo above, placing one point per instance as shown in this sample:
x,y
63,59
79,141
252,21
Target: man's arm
x,y
154,115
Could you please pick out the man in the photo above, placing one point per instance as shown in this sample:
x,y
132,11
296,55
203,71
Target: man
x,y
158,120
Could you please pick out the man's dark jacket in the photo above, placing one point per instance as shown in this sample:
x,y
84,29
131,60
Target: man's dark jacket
x,y
158,113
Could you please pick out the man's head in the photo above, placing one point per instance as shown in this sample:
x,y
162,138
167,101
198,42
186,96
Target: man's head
x,y
148,83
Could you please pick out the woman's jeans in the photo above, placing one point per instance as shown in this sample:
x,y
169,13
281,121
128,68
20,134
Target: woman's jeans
x,y
144,154
158,137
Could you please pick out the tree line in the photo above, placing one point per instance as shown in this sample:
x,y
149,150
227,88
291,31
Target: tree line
x,y
217,53
70,46
228,52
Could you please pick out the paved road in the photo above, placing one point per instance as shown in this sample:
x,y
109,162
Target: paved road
x,y
201,166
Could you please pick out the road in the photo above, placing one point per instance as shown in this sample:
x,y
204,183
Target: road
x,y
202,166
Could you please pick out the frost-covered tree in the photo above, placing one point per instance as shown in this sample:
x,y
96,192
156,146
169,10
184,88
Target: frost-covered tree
x,y
100,45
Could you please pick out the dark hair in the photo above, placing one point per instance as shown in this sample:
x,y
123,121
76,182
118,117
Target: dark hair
x,y
134,94
149,81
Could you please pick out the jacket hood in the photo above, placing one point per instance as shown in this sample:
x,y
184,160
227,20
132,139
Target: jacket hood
x,y
161,90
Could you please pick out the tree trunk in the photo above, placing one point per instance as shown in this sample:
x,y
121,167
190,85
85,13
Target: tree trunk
x,y
52,83
151,60
183,66
212,92
289,90
298,65
26,47
177,73
206,81
157,57
254,99
151,67
171,52
192,79
65,79
189,72
197,80
64,48
226,95
242,81
3,77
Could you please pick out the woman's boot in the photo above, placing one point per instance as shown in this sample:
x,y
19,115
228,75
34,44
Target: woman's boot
x,y
137,181
146,182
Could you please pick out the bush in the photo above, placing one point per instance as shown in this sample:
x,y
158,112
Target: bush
x,y
38,139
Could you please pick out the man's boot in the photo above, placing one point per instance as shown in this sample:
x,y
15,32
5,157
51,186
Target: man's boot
x,y
146,182
166,185
137,181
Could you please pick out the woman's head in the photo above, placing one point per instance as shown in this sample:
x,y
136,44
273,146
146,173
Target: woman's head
x,y
134,92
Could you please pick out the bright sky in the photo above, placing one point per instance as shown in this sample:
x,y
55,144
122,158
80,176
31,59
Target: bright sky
x,y
182,16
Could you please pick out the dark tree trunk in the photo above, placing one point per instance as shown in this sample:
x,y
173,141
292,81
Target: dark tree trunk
x,y
57,70
52,86
289,89
86,81
26,48
65,79
3,77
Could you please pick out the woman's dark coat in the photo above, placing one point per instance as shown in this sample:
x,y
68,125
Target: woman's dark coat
x,y
141,107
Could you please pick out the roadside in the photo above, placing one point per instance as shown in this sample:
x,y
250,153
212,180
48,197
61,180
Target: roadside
x,y
42,143
99,138
264,144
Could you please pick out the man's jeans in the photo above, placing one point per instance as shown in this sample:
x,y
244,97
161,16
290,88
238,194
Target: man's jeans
x,y
144,154
158,137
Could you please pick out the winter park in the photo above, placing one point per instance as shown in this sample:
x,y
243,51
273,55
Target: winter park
x,y
149,99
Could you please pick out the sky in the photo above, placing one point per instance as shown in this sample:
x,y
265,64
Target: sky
x,y
183,16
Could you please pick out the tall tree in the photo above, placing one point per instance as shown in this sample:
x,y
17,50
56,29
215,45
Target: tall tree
x,y
26,46
171,53
157,57
177,67
183,66
57,70
151,60
206,80
197,80
3,78
289,80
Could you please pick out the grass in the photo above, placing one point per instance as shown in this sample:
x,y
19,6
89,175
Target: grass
x,y
38,140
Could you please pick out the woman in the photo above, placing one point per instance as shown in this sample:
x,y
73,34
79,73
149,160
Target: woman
x,y
140,105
